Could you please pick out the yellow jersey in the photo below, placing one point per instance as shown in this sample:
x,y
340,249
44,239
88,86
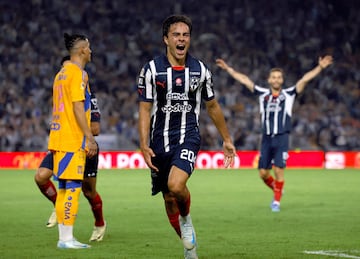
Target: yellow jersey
x,y
70,85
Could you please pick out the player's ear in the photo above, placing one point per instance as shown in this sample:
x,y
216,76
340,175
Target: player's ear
x,y
83,51
166,40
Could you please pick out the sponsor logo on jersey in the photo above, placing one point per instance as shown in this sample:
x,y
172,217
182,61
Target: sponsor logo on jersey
x,y
177,108
177,96
273,108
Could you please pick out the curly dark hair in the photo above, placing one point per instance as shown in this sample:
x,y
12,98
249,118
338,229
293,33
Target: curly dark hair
x,y
70,40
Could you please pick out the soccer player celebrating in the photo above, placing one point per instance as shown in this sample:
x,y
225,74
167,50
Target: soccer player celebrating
x,y
171,88
276,105
71,139
45,171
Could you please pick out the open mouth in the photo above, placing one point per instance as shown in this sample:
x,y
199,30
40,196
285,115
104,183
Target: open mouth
x,y
180,50
180,47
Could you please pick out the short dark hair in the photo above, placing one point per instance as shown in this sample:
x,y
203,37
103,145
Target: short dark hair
x,y
70,40
277,69
175,19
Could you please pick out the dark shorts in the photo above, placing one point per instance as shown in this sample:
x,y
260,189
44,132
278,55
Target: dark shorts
x,y
274,151
183,157
91,164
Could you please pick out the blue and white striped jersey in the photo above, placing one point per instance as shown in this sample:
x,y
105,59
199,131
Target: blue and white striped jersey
x,y
275,111
176,94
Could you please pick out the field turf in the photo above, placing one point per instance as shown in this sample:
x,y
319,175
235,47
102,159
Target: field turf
x,y
319,218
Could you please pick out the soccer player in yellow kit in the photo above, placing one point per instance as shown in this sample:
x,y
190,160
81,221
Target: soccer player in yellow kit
x,y
70,137
46,186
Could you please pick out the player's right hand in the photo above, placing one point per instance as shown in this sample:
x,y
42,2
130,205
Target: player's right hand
x,y
148,153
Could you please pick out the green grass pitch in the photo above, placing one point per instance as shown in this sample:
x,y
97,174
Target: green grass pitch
x,y
319,217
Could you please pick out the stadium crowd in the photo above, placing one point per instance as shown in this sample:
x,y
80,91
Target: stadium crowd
x,y
125,34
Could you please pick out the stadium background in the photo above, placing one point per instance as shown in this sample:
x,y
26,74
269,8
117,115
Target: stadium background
x,y
252,36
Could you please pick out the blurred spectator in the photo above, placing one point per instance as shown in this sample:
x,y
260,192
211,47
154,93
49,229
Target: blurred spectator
x,y
125,34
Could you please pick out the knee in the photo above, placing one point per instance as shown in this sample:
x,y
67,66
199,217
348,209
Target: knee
x,y
88,193
42,175
175,187
37,177
264,174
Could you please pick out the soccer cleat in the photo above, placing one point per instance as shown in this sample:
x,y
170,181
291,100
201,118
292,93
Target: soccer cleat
x,y
190,253
98,233
52,221
275,206
188,235
72,244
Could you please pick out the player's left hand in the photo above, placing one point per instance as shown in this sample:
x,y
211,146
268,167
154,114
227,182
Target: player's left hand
x,y
92,149
229,153
148,153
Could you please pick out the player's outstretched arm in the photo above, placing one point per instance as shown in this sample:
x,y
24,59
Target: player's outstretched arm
x,y
242,78
323,63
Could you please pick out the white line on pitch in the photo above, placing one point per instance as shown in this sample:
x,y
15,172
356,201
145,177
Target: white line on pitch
x,y
332,253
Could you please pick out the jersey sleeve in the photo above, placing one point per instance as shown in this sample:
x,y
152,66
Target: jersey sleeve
x,y
258,90
207,92
145,85
291,90
95,111
78,85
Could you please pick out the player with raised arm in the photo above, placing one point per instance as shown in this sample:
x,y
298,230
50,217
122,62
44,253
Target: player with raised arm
x,y
171,88
276,105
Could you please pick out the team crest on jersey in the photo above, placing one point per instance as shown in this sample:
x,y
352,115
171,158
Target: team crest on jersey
x,y
194,83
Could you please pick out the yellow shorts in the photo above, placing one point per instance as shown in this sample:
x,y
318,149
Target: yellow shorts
x,y
69,165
